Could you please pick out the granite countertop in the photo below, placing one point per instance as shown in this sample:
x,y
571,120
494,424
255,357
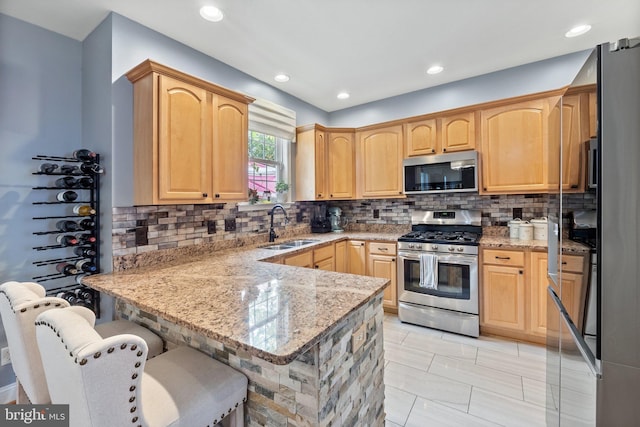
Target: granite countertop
x,y
232,296
568,246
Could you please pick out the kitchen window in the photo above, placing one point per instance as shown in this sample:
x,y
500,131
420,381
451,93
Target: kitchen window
x,y
268,163
272,129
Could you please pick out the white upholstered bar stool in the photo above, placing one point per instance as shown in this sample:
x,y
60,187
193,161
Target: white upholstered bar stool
x,y
107,382
20,304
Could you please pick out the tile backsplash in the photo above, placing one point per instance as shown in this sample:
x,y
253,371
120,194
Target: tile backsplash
x,y
142,229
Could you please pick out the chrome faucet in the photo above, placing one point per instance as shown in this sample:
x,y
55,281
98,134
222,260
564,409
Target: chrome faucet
x,y
272,234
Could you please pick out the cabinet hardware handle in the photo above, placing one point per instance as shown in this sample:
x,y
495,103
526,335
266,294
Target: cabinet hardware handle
x,y
393,259
574,186
433,151
520,271
503,257
383,249
205,195
444,149
319,194
217,196
317,266
564,262
330,195
484,188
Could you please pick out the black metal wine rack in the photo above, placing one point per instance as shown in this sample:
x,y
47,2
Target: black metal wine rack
x,y
76,293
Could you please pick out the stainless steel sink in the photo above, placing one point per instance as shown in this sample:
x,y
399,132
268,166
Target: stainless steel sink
x,y
276,247
296,243
290,244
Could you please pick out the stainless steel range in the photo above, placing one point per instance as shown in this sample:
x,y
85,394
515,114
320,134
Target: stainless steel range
x,y
438,271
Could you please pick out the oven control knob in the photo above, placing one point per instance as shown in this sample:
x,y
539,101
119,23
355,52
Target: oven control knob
x,y
460,249
411,246
451,248
434,247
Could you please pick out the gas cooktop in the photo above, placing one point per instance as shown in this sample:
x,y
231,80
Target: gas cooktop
x,y
457,237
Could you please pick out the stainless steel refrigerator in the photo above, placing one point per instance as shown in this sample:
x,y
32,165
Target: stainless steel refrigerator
x,y
595,380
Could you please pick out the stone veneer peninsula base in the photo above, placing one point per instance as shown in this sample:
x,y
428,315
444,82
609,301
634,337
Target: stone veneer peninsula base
x,y
329,384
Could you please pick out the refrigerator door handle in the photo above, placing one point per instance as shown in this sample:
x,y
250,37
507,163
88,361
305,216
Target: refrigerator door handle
x,y
592,362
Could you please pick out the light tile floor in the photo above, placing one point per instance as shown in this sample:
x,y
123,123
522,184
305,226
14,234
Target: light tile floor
x,y
434,378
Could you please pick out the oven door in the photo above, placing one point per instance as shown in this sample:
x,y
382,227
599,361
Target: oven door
x,y
457,287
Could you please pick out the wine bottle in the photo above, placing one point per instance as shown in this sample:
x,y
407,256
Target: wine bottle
x,y
83,210
67,196
66,269
67,240
48,167
84,155
84,294
86,252
91,168
67,226
85,265
68,296
87,224
66,182
86,239
84,182
70,170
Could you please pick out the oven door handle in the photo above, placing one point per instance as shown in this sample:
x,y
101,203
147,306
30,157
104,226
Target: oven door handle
x,y
442,258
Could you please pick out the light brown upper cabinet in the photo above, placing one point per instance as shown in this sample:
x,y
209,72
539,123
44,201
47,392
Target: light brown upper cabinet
x,y
379,162
514,147
190,138
455,132
575,134
325,163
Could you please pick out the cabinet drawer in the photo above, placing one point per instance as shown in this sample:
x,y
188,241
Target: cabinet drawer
x,y
502,257
574,263
382,248
323,253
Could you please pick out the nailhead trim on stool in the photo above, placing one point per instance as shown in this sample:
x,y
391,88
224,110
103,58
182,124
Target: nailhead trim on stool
x,y
97,355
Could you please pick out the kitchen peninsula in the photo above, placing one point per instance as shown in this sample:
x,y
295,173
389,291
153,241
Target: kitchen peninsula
x,y
310,341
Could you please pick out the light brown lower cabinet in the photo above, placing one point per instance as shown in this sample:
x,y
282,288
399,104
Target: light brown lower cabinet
x,y
304,259
341,256
324,258
514,292
382,262
356,257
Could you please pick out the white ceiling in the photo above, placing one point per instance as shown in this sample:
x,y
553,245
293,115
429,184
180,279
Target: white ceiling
x,y
372,49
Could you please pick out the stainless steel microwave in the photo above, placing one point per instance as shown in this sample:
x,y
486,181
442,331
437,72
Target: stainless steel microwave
x,y
441,173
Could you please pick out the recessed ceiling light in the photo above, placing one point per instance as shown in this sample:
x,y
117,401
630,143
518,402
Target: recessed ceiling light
x,y
435,69
281,78
211,13
343,95
578,30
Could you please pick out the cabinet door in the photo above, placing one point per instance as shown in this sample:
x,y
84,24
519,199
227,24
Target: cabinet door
x,y
572,296
574,129
310,164
420,137
304,259
513,147
324,258
593,114
380,162
341,165
356,255
457,133
503,297
184,142
230,158
341,257
385,267
538,294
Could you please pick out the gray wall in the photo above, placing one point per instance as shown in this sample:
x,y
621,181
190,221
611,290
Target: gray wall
x,y
540,76
40,113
